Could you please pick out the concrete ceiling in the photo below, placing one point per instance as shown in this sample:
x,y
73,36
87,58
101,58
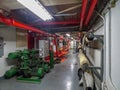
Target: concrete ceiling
x,y
10,4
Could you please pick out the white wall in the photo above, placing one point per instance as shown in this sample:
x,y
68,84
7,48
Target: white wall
x,y
112,68
9,35
115,45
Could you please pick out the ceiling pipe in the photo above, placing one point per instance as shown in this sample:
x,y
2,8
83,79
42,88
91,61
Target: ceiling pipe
x,y
69,9
68,14
90,12
69,22
62,27
15,23
83,11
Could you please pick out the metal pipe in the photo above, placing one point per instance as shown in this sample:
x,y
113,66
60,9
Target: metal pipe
x,y
93,70
68,14
13,22
98,28
93,67
83,11
92,6
69,9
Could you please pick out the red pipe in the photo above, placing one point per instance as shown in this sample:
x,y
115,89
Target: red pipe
x,y
82,16
92,7
12,22
69,22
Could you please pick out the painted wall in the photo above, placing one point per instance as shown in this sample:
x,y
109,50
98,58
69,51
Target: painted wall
x,y
115,45
112,73
9,35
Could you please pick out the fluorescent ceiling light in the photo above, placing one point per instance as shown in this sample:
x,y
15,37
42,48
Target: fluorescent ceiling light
x,y
68,35
37,8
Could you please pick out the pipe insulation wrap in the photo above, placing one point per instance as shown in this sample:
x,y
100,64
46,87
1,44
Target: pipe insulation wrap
x,y
89,80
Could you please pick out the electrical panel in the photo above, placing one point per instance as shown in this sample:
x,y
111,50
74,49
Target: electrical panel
x,y
1,47
43,48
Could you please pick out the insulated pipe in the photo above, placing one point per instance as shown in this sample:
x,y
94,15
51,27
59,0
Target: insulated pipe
x,y
82,16
88,81
92,6
12,22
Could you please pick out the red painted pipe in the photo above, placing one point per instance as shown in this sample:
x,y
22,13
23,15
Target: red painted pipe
x,y
82,16
69,22
92,7
12,22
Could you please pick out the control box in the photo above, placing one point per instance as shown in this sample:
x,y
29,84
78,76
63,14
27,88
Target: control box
x,y
43,48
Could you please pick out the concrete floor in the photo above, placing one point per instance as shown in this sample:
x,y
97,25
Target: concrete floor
x,y
62,77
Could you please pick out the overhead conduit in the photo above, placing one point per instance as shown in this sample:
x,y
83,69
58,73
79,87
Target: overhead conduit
x,y
15,23
83,11
90,12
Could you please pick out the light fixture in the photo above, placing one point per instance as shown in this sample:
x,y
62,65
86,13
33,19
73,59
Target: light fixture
x,y
71,37
37,8
68,35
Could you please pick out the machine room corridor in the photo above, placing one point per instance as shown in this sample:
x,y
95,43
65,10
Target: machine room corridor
x,y
59,44
62,77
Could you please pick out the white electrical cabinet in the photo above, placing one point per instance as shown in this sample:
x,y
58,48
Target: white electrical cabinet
x,y
43,48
